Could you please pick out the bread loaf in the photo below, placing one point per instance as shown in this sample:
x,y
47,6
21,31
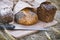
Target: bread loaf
x,y
6,16
46,12
26,17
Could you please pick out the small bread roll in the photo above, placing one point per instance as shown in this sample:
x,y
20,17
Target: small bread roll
x,y
26,17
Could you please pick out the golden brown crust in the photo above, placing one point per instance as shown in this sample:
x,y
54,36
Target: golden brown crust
x,y
27,17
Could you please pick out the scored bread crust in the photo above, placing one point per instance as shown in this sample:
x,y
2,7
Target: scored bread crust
x,y
26,17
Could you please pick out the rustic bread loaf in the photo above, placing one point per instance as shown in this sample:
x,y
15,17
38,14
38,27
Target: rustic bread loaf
x,y
6,16
46,12
26,17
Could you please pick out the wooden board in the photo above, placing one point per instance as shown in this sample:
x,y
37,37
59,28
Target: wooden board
x,y
21,33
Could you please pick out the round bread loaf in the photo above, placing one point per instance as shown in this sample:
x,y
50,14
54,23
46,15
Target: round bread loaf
x,y
26,17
